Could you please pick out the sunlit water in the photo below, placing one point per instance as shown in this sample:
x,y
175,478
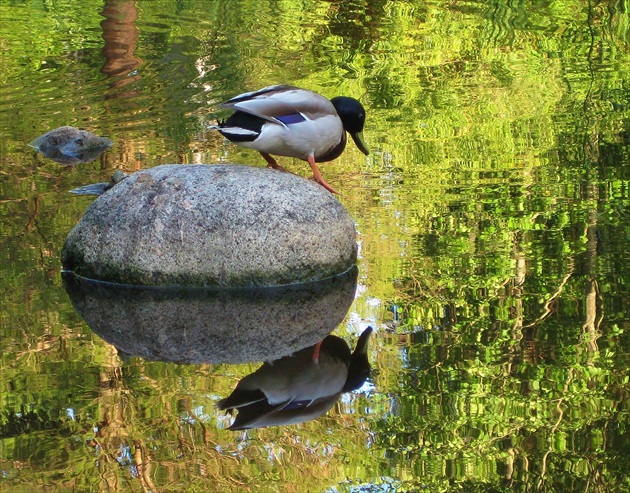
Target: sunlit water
x,y
493,228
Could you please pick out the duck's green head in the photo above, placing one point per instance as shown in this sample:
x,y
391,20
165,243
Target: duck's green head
x,y
352,114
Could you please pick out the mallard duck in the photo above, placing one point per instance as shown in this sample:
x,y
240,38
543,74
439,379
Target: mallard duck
x,y
299,388
289,121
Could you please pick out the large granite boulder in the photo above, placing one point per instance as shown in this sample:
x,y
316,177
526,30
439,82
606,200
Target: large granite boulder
x,y
212,225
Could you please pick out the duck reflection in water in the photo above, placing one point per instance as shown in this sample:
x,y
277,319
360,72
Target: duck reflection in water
x,y
299,387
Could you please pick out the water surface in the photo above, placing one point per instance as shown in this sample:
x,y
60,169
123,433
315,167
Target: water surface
x,y
493,228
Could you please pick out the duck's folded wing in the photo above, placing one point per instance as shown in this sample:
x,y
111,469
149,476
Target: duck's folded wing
x,y
261,415
241,398
249,416
276,103
265,92
268,109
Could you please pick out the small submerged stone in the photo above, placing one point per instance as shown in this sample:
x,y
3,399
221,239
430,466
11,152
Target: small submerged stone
x,y
70,145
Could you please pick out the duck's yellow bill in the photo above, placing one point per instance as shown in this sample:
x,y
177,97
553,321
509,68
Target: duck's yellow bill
x,y
358,140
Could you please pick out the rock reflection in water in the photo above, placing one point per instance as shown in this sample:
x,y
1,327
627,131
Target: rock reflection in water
x,y
195,325
299,387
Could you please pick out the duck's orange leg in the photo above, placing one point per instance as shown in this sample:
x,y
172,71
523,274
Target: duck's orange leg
x,y
316,349
317,176
271,162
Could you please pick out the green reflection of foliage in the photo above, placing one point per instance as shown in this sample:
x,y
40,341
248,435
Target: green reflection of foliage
x,y
524,419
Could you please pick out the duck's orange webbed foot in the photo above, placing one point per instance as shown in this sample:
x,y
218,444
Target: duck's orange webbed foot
x,y
317,176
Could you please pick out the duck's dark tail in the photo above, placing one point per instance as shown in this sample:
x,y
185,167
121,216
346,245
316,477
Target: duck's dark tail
x,y
240,127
